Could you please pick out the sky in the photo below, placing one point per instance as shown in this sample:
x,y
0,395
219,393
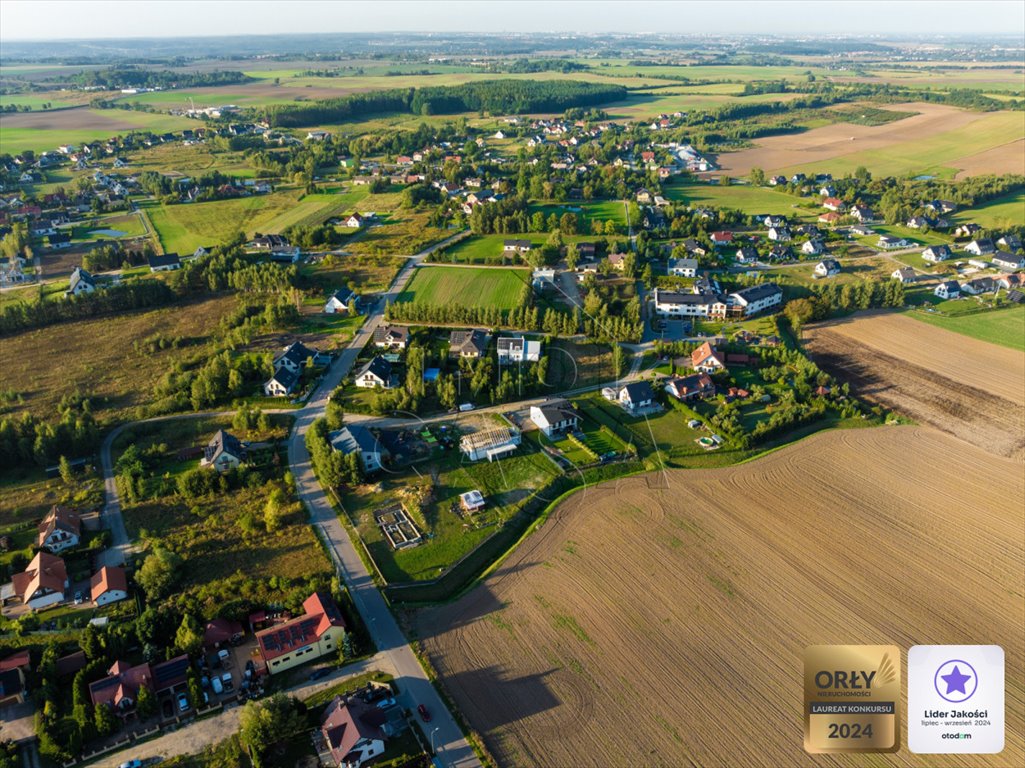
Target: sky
x,y
78,19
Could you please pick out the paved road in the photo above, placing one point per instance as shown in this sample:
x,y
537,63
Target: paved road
x,y
452,747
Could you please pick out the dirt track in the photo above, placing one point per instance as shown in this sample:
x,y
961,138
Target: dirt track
x,y
666,627
968,388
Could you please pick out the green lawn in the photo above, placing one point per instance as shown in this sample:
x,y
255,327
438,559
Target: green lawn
x,y
750,200
605,210
1008,210
1005,327
186,226
469,287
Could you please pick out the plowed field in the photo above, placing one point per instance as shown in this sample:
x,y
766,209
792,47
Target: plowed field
x,y
970,388
666,626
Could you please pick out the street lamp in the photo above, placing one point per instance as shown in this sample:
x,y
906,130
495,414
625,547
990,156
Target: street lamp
x,y
436,728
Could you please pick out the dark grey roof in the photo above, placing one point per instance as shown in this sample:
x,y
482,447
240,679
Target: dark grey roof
x,y
390,332
223,442
758,292
354,437
474,339
378,366
286,378
167,260
639,391
81,276
679,297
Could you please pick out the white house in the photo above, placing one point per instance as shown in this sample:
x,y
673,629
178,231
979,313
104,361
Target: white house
x,y
1007,262
517,349
360,440
948,289
391,337
636,395
981,247
224,452
889,242
555,417
355,221
81,282
904,274
61,529
936,253
707,359
376,373
683,267
812,247
338,304
282,383
827,268
349,733
779,234
164,263
42,583
108,585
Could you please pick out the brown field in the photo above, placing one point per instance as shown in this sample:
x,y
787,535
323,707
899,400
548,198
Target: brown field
x,y
832,141
642,626
970,388
997,160
96,356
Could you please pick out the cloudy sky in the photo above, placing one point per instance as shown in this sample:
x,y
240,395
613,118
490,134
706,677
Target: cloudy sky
x,y
68,19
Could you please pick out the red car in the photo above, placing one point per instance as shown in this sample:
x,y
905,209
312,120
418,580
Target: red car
x,y
424,714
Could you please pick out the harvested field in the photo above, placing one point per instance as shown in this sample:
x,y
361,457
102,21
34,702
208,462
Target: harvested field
x,y
636,611
938,136
966,387
997,160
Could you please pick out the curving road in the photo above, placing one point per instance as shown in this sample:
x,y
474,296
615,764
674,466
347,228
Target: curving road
x,y
452,747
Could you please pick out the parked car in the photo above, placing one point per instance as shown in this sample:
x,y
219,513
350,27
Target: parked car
x,y
226,681
183,702
320,672
424,714
131,764
385,703
79,599
216,685
224,658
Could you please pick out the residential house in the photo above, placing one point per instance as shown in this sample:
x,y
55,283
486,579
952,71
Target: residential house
x,y
522,247
979,285
296,355
471,344
355,221
517,349
636,396
721,238
81,282
1010,282
472,501
376,373
224,452
361,441
707,359
937,253
391,337
165,263
691,387
644,196
904,274
919,222
120,689
282,383
490,443
827,268
967,230
949,289
746,254
352,733
218,632
318,632
860,230
780,252
779,234
542,278
555,417
1010,242
1007,262
861,213
889,242
774,221
108,585
42,583
61,529
683,267
982,247
617,261
754,299
58,240
338,303
941,206
812,247
682,304
833,204
830,217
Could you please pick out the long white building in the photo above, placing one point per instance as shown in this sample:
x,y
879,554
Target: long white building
x,y
743,303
